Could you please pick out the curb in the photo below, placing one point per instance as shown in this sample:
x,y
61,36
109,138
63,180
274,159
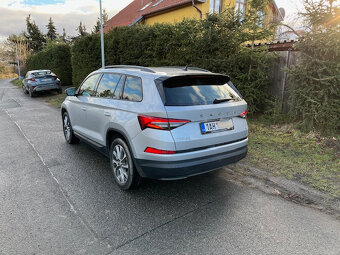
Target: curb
x,y
287,189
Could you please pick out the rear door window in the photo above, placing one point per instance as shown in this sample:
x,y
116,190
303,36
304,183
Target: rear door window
x,y
107,85
88,87
198,90
133,89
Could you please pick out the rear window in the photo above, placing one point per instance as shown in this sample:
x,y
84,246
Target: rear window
x,y
198,90
43,73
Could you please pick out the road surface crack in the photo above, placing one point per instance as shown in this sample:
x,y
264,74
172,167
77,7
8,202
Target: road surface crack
x,y
164,224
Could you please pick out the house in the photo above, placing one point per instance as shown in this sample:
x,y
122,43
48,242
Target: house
x,y
289,35
150,12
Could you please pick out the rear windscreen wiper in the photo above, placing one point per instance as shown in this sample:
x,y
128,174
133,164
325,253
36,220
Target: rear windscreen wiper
x,y
218,101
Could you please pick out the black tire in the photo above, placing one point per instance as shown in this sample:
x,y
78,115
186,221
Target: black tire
x,y
69,137
132,178
31,93
24,89
60,91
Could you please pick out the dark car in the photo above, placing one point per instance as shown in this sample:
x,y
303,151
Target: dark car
x,y
40,80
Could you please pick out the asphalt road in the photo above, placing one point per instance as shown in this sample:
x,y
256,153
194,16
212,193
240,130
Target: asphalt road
x,y
57,198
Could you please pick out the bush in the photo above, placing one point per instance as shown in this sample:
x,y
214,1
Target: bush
x,y
315,100
215,43
56,58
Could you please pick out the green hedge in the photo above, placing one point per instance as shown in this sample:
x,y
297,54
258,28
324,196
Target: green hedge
x,y
214,43
57,58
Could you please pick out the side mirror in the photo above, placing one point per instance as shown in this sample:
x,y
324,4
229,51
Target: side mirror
x,y
71,91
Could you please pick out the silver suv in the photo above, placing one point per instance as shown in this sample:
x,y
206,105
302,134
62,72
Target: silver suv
x,y
160,123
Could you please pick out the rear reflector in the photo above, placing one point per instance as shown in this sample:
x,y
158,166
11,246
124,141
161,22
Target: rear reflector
x,y
157,151
159,123
244,114
32,79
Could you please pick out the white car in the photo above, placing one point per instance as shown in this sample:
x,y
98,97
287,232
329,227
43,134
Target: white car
x,y
160,122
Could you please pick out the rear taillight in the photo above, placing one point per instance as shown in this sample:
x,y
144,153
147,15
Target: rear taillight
x,y
157,151
32,79
159,123
244,114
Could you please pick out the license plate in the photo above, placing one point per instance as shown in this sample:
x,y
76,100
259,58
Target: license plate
x,y
216,126
45,80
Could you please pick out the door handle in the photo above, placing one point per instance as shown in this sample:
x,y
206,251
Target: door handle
x,y
83,108
107,113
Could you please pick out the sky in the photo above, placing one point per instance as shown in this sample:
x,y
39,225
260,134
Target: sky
x,y
68,13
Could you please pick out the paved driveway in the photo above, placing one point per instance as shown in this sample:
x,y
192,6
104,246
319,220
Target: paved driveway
x,y
60,199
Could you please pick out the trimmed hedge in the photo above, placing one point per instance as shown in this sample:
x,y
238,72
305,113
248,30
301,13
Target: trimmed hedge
x,y
214,43
57,58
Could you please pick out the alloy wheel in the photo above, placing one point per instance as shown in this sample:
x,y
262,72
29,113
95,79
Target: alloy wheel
x,y
67,128
120,164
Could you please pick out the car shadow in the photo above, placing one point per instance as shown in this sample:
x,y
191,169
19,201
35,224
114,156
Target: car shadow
x,y
112,212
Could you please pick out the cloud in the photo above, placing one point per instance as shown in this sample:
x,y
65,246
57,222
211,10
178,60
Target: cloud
x,y
65,14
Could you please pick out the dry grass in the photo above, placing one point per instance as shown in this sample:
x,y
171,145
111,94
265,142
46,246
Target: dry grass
x,y
307,157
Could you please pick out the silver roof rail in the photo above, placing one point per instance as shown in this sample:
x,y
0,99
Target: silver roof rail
x,y
186,68
141,68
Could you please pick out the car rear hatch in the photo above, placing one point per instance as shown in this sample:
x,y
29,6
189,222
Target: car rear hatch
x,y
213,106
44,77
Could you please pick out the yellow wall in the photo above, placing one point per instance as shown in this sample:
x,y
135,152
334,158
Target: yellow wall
x,y
189,12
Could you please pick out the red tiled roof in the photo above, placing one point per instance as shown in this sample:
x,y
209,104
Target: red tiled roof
x,y
133,11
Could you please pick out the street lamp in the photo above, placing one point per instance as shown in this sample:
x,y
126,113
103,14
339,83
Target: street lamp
x,y
101,34
18,60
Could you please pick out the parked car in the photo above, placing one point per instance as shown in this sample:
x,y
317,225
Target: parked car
x,y
163,123
40,80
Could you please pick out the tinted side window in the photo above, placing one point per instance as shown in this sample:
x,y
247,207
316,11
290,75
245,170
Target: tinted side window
x,y
107,85
119,89
133,89
87,89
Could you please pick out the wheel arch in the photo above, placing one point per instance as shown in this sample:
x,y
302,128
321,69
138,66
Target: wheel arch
x,y
112,134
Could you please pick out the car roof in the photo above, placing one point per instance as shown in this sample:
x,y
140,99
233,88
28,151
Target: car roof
x,y
156,72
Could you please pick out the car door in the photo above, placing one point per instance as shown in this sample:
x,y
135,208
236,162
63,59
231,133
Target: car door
x,y
103,105
79,104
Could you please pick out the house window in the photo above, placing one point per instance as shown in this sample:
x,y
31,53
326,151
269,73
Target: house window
x,y
260,20
241,6
157,3
215,6
145,6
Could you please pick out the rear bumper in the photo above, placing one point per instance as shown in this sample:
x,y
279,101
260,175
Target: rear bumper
x,y
46,87
168,170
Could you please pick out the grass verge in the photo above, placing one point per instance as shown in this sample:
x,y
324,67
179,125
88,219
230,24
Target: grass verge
x,y
307,157
17,82
56,100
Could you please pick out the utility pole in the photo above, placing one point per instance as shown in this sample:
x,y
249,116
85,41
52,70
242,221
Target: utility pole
x,y
102,34
18,61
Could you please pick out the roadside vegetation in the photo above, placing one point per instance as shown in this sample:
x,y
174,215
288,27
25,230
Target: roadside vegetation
x,y
55,99
17,83
286,151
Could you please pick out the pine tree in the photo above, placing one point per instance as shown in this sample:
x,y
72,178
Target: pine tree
x,y
81,30
315,96
35,38
63,37
96,27
51,30
105,16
